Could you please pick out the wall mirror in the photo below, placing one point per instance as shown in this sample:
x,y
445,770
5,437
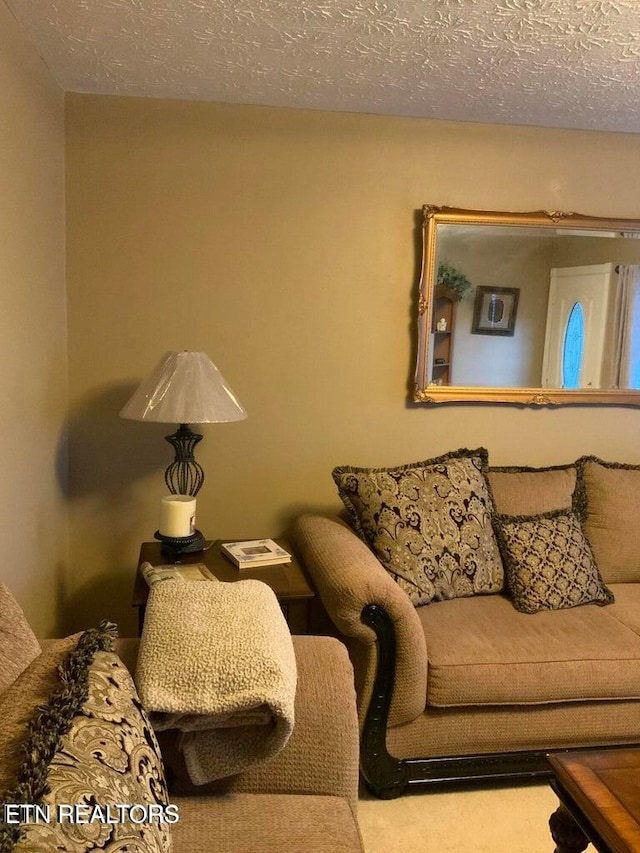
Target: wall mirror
x,y
535,308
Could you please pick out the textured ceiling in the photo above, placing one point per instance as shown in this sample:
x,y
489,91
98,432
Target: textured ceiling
x,y
558,63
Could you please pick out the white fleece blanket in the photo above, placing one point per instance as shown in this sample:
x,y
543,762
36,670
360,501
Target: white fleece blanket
x,y
216,661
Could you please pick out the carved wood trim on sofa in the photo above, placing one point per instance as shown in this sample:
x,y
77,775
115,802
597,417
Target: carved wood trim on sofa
x,y
388,776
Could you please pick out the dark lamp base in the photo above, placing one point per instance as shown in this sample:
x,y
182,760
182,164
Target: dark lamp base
x,y
174,546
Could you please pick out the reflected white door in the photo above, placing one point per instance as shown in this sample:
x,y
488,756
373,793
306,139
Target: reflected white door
x,y
578,297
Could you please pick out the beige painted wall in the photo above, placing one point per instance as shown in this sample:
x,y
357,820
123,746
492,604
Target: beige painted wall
x,y
284,244
33,337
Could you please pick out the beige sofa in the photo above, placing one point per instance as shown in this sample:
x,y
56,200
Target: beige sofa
x,y
470,688
97,747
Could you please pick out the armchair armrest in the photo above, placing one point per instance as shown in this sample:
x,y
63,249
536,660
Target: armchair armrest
x,y
348,577
321,756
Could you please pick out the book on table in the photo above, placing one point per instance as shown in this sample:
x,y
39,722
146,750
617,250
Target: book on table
x,y
186,572
255,552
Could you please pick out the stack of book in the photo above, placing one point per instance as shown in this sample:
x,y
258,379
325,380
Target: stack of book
x,y
255,552
187,572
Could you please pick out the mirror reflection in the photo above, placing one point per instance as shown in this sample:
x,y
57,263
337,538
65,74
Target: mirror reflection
x,y
544,305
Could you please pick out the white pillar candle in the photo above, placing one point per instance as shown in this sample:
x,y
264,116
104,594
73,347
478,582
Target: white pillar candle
x,y
177,515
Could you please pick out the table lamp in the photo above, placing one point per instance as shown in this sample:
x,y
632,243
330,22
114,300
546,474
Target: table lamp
x,y
184,388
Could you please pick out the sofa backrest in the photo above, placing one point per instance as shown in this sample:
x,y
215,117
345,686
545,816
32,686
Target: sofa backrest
x,y
531,491
609,500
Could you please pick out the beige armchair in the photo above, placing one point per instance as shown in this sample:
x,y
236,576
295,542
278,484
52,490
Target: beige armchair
x,y
73,703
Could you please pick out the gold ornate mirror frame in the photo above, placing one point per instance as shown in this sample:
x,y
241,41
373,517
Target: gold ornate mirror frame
x,y
435,376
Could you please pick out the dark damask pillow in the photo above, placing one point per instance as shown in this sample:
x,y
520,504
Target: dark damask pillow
x,y
429,524
549,563
80,753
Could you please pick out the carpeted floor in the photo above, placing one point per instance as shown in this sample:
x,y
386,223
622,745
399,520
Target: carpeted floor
x,y
499,820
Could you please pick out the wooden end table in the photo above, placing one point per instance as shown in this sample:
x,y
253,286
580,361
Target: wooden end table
x,y
599,793
288,581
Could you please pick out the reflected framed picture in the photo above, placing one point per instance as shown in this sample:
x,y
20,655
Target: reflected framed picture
x,y
495,309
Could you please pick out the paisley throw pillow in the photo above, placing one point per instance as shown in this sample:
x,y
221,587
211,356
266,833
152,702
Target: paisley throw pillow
x,y
429,524
90,761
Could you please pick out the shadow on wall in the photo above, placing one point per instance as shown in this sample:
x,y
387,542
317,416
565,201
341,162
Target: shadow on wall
x,y
107,456
106,596
107,453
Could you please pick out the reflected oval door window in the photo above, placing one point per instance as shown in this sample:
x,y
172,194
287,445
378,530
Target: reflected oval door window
x,y
573,349
495,310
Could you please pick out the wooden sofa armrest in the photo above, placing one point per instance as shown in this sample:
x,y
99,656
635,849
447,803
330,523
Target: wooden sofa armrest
x,y
349,578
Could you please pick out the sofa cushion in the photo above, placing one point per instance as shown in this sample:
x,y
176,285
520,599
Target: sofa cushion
x,y
548,562
608,495
626,607
530,491
73,734
269,823
18,643
429,523
511,728
482,651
